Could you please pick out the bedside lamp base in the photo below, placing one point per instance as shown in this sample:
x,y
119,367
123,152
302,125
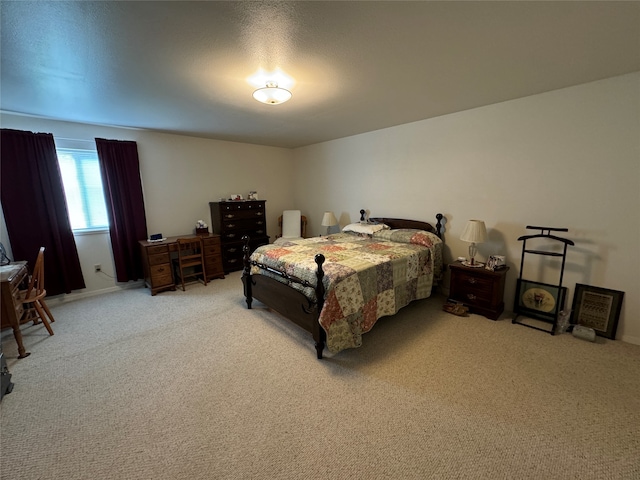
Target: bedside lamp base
x,y
473,265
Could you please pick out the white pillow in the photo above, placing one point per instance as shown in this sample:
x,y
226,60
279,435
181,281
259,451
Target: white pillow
x,y
367,228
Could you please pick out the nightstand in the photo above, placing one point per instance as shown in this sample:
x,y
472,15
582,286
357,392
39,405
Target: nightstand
x,y
480,289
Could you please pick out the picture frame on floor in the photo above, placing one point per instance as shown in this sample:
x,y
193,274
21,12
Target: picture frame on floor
x,y
539,300
598,308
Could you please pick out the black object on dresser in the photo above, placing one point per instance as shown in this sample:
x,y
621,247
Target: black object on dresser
x,y
233,220
480,289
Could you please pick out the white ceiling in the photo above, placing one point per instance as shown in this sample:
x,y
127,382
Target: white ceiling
x,y
182,66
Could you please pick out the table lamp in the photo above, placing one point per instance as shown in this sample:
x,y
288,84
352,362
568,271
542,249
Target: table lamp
x,y
474,232
329,220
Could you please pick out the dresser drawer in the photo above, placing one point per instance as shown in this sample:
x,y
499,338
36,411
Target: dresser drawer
x,y
215,249
212,240
233,263
236,235
242,215
243,224
161,275
156,249
213,265
159,259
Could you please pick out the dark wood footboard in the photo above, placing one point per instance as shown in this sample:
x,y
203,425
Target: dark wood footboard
x,y
283,298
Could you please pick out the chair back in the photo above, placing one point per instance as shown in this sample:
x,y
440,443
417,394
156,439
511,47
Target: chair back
x,y
291,224
36,283
190,251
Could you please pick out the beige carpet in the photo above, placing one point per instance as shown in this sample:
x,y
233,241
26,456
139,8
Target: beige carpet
x,y
193,385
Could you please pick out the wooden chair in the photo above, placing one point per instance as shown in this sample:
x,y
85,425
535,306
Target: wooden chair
x,y
287,230
33,297
190,260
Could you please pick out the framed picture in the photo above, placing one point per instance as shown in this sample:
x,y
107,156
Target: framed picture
x,y
539,300
597,308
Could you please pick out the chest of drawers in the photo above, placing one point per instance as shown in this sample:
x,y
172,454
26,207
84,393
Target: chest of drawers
x,y
480,289
233,220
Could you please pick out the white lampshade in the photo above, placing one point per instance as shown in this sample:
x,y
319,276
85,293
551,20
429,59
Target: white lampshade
x,y
474,232
329,219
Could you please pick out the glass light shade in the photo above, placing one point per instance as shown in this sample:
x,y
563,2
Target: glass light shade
x,y
272,94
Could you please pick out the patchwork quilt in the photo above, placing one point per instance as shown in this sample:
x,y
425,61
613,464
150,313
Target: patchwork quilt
x,y
366,277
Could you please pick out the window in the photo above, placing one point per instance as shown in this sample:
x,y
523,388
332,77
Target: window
x,y
83,188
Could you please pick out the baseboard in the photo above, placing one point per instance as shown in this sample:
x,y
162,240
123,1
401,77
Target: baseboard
x,y
70,297
630,339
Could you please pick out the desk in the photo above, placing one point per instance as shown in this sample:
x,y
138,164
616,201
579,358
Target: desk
x,y
12,276
156,260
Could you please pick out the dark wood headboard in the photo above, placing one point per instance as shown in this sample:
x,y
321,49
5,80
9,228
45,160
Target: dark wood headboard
x,y
404,223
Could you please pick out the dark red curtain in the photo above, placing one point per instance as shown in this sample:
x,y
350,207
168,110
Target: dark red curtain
x,y
120,170
35,208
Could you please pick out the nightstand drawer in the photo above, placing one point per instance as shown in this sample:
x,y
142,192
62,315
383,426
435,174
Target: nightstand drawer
x,y
475,283
473,297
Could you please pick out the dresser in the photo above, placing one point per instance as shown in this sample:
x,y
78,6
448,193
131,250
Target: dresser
x,y
232,221
12,277
156,260
480,289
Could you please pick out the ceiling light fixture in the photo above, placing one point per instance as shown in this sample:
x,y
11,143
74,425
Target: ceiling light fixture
x,y
272,94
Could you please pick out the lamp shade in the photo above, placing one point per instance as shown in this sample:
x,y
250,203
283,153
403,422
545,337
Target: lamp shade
x,y
474,232
329,219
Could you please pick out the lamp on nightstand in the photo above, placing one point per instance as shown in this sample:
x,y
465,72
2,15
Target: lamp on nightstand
x,y
474,232
329,220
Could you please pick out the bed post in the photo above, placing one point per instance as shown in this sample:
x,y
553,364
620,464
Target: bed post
x,y
246,272
439,217
318,332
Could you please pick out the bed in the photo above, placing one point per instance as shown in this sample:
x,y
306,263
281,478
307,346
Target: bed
x,y
336,287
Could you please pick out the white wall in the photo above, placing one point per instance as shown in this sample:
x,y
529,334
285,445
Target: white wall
x,y
180,176
568,158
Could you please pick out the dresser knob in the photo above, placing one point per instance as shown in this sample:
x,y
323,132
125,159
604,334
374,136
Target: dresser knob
x,y
232,250
231,235
471,296
229,215
260,231
472,280
259,213
231,225
232,260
